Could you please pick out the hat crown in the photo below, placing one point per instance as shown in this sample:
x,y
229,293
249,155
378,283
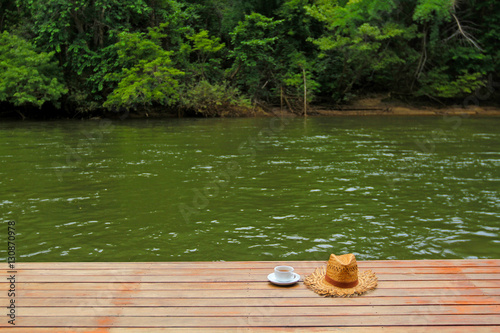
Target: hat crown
x,y
342,268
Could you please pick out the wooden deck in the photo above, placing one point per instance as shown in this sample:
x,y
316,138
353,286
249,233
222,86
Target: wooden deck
x,y
412,296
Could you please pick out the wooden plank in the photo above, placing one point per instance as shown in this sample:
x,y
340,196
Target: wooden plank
x,y
144,277
262,311
298,291
262,285
448,295
276,302
274,321
257,271
406,329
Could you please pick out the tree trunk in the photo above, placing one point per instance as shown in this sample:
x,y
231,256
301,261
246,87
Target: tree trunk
x,y
305,91
281,100
21,114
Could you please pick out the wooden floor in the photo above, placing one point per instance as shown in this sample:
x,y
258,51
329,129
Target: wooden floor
x,y
422,296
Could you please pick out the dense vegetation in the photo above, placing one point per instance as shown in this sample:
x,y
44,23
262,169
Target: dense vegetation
x,y
224,57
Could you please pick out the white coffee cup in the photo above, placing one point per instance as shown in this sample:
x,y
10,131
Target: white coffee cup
x,y
283,273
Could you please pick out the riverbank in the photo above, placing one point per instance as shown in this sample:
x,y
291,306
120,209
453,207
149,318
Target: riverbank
x,y
372,106
376,106
364,106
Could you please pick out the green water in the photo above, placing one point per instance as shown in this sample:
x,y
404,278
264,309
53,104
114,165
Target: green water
x,y
251,189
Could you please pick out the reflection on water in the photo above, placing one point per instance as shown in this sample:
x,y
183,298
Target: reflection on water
x,y
252,189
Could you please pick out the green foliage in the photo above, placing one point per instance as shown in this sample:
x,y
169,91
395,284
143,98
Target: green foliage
x,y
254,53
293,78
222,16
147,76
28,77
80,33
295,54
360,34
433,10
202,47
145,53
452,64
439,84
9,14
213,100
488,12
59,23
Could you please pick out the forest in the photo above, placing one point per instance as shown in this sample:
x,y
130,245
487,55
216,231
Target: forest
x,y
82,58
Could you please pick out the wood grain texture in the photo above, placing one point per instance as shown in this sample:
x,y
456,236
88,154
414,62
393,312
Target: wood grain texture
x,y
412,296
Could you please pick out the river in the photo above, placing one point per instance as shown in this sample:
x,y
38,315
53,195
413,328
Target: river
x,y
251,189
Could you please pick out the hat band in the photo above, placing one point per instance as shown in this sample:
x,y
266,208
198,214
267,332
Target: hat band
x,y
341,284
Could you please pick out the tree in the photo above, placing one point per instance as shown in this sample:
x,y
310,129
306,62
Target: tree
x,y
297,56
486,15
453,51
9,15
363,35
111,52
148,76
417,47
79,32
255,40
28,77
199,50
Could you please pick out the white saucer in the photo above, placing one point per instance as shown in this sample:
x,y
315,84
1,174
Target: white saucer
x,y
271,277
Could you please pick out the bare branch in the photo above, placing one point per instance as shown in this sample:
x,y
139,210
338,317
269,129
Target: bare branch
x,y
467,36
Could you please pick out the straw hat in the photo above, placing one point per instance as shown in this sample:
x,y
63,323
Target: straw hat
x,y
340,278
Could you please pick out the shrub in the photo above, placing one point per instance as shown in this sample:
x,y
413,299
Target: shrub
x,y
213,100
28,77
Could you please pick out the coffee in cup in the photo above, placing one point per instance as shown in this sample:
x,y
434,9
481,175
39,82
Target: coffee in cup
x,y
283,273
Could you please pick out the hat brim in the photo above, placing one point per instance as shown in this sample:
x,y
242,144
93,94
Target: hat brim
x,y
316,282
